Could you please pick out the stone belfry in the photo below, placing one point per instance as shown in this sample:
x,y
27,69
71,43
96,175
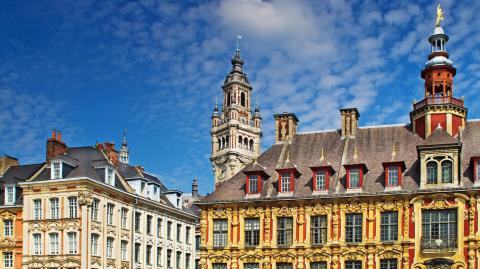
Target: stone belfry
x,y
236,129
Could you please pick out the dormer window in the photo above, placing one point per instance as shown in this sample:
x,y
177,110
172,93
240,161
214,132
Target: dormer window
x,y
109,176
286,182
476,169
431,172
253,184
439,171
56,170
354,176
9,194
447,176
393,174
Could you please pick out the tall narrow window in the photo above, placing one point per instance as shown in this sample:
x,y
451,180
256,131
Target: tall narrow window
x,y
8,259
187,260
8,227
179,232
159,227
110,214
159,256
242,99
124,218
169,230
109,247
388,226
179,259
56,170
72,207
110,176
54,208
439,229
37,244
388,264
149,224
138,217
392,176
320,180
318,265
94,212
124,250
37,209
252,184
431,172
148,255
284,231
478,169
187,235
285,184
354,178
353,228
72,242
447,176
353,265
169,258
252,232
318,229
53,243
220,231
137,252
9,194
94,244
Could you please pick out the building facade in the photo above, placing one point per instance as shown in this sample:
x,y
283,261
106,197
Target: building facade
x,y
86,207
394,196
236,129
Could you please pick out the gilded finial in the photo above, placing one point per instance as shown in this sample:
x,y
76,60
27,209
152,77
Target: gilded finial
x,y
322,155
355,156
440,16
288,156
394,151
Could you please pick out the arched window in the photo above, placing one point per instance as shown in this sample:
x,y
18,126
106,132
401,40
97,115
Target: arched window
x,y
242,99
229,98
219,143
432,172
251,144
245,143
438,89
227,142
223,142
447,176
240,141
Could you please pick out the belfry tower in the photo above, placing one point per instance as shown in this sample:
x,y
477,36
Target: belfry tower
x,y
439,107
236,129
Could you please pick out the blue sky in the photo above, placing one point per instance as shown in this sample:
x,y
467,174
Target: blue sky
x,y
93,68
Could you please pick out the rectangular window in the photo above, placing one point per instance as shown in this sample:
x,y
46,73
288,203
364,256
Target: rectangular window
x,y
392,176
159,256
187,234
169,230
284,231
285,184
353,228
432,172
149,224
8,227
37,209
318,265
353,265
388,226
72,242
110,214
109,247
138,217
252,232
220,231
137,252
439,229
124,250
10,194
72,207
56,170
187,261
169,258
8,259
320,180
179,259
478,169
284,266
354,178
159,227
53,243
253,184
94,212
148,255
219,266
179,232
124,218
37,244
318,229
198,238
94,244
251,266
54,208
110,176
388,264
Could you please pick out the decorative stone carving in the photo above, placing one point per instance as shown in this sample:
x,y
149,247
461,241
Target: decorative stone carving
x,y
96,260
85,198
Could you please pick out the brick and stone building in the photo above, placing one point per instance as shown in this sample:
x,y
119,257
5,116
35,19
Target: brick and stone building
x,y
393,196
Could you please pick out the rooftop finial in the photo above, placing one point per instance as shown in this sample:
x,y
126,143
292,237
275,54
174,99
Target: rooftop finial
x,y
355,155
394,151
124,142
440,16
322,155
239,37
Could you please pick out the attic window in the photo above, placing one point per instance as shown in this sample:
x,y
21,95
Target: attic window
x,y
56,170
285,181
321,178
439,171
254,184
9,194
109,176
354,176
393,174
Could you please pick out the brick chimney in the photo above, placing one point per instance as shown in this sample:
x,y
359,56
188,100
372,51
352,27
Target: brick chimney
x,y
6,162
350,118
55,145
285,126
109,149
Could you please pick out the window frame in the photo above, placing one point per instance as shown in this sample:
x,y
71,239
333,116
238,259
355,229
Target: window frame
x,y
289,181
37,209
54,247
318,265
357,264
110,213
37,244
443,172
8,228
72,244
72,207
252,232
124,250
320,230
10,196
8,259
94,209
390,228
110,176
124,218
94,244
109,245
285,233
258,184
354,226
390,166
436,225
435,166
54,170
149,224
389,263
349,175
220,233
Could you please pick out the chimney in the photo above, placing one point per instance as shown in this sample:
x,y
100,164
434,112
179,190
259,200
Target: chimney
x,y
55,145
350,118
194,188
6,162
285,126
109,149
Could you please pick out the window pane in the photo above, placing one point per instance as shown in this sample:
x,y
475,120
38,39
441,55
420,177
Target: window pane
x,y
388,226
388,264
285,187
353,228
320,181
284,231
432,172
354,178
447,172
318,265
318,229
353,265
252,232
439,229
253,184
220,232
392,176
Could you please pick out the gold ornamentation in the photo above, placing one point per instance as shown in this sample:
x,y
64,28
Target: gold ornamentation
x,y
440,16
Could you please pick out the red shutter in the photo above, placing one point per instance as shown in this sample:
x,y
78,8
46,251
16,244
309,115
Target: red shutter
x,y
247,190
279,187
327,178
292,182
475,161
314,180
400,174
259,183
361,177
347,183
386,175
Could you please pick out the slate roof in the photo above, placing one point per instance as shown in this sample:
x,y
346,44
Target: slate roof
x,y
371,147
15,175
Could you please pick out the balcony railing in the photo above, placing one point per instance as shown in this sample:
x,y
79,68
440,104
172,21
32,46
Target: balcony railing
x,y
438,100
439,244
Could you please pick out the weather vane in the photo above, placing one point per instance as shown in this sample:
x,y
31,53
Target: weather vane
x,y
239,37
440,16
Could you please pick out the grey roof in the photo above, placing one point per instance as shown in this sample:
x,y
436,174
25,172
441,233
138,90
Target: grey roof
x,y
371,147
15,175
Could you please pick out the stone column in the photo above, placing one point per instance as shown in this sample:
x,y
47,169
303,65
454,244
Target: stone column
x,y
84,201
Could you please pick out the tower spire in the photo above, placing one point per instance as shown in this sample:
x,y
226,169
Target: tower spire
x,y
124,152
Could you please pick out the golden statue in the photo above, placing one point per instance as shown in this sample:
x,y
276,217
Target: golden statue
x,y
440,16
